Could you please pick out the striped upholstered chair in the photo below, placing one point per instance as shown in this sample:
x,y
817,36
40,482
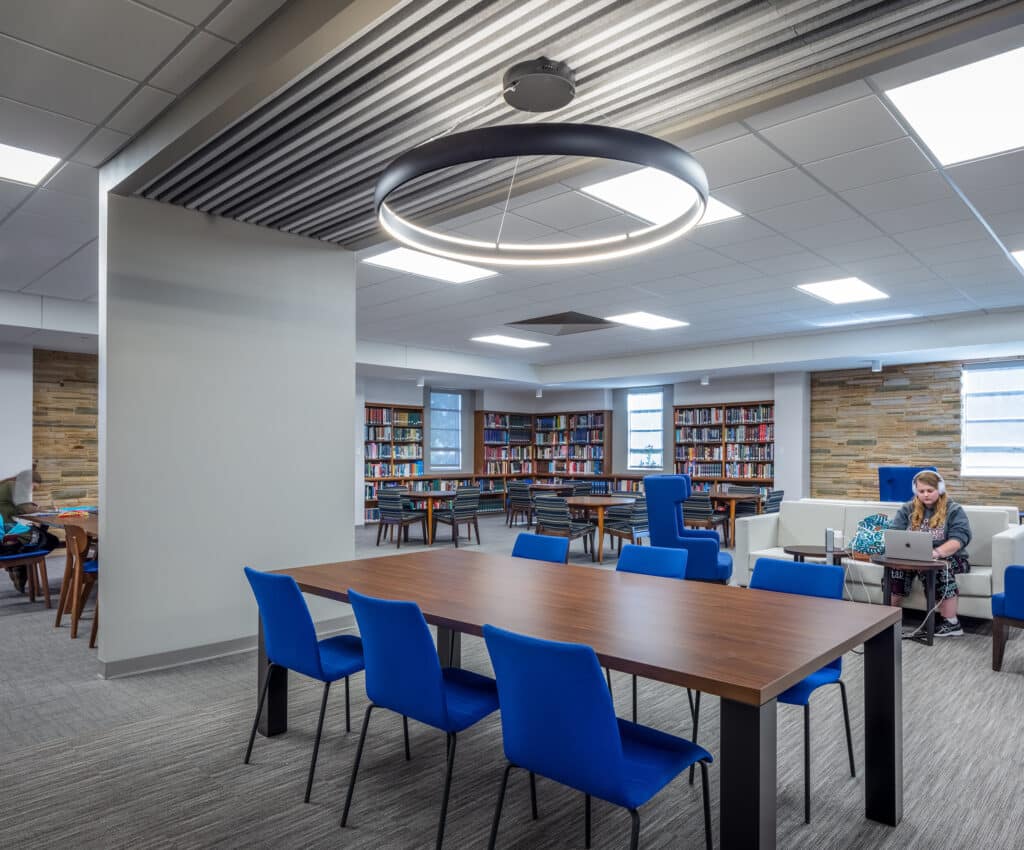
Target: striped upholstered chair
x,y
393,514
627,522
463,511
520,503
698,513
553,518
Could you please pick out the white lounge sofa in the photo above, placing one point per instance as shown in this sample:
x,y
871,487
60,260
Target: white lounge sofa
x,y
997,542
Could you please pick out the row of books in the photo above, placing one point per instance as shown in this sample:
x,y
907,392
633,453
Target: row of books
x,y
378,416
403,435
702,469
552,422
710,451
378,432
548,438
552,452
583,435
507,453
698,435
741,451
699,416
506,420
587,452
408,417
760,433
751,413
586,420
750,470
386,470
510,467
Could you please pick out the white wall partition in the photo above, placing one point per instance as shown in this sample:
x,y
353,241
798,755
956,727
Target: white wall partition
x,y
227,384
16,402
793,434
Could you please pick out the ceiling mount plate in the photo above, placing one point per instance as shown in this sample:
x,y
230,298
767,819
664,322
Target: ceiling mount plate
x,y
539,85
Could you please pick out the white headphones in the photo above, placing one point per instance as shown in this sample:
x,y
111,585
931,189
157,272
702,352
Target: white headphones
x,y
942,482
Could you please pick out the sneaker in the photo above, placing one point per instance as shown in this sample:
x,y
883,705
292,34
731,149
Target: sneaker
x,y
948,629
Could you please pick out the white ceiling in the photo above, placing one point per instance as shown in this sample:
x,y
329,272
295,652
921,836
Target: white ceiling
x,y
830,186
79,78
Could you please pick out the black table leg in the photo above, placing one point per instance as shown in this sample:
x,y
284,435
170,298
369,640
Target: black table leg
x,y
886,586
748,775
929,582
883,720
274,719
449,647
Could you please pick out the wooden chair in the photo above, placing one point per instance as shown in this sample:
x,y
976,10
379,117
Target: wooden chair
x,y
35,568
463,512
520,503
553,518
627,523
698,513
394,515
83,576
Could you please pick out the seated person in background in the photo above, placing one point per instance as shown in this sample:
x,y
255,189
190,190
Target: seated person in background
x,y
933,511
16,498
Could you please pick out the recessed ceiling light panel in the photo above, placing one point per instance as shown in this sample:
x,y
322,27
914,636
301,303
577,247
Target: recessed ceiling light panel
x,y
847,290
968,112
24,166
427,265
647,321
510,341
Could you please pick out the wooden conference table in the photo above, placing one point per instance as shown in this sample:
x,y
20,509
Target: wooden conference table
x,y
597,504
731,499
742,645
89,523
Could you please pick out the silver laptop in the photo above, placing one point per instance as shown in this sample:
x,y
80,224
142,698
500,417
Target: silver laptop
x,y
909,545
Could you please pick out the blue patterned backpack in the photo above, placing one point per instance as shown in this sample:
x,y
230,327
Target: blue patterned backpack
x,y
870,537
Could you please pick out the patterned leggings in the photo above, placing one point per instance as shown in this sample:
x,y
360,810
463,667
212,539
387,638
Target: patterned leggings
x,y
901,581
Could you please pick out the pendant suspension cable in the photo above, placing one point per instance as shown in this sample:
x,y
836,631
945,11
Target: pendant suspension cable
x,y
508,198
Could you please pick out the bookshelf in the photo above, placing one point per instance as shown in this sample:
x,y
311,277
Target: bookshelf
x,y
726,444
504,443
544,444
392,446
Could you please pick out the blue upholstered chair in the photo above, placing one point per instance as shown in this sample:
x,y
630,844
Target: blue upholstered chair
x,y
541,547
665,497
404,675
290,639
895,483
1007,610
548,687
822,580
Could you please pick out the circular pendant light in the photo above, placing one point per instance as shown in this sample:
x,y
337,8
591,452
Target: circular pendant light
x,y
684,174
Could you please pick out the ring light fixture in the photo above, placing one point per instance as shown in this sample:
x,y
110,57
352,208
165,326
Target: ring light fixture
x,y
543,139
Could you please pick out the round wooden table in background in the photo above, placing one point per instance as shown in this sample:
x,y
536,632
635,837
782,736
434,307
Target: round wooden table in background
x,y
598,505
800,552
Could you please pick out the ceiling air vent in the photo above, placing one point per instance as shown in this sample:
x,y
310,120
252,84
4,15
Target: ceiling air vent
x,y
561,324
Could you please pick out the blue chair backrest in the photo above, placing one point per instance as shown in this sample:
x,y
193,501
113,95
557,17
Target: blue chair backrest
x,y
653,561
824,580
665,496
1013,595
288,630
557,716
541,547
895,483
403,672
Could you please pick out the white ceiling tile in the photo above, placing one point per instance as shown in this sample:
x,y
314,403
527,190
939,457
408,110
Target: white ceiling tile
x,y
143,107
858,124
789,263
697,141
803,214
31,245
614,226
198,56
991,202
48,81
733,274
836,233
241,17
193,11
118,35
772,190
74,278
100,147
870,165
729,232
38,130
901,192
77,208
983,268
740,159
759,249
514,229
1007,223
943,234
992,172
73,178
976,248
880,246
883,265
566,210
12,194
809,105
921,215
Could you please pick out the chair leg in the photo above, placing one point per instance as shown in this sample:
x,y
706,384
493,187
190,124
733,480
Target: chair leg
x,y
497,809
405,731
634,697
447,789
380,528
64,599
608,673
846,722
533,794
95,622
707,804
44,580
348,709
455,533
586,821
696,722
316,740
400,528
807,763
476,528
634,835
259,711
30,580
1000,628
355,764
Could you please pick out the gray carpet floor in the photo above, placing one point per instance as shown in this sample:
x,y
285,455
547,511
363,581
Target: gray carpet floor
x,y
156,760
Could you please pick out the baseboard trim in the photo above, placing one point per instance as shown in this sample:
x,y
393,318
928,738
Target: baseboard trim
x,y
206,652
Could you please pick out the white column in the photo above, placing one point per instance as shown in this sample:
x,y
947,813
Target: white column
x,y
793,434
227,382
16,402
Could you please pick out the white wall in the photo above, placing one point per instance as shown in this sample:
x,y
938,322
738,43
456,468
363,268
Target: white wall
x,y
725,390
16,403
793,433
227,372
387,391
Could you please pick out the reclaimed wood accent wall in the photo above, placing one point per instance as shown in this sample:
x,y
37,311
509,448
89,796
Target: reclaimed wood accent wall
x,y
904,416
64,437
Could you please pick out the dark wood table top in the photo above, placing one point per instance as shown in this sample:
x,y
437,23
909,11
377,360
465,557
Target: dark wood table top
x,y
599,501
413,495
811,551
89,523
561,488
904,564
733,497
746,645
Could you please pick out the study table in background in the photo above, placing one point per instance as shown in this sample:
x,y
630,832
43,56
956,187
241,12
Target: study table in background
x,y
720,496
598,504
736,643
89,522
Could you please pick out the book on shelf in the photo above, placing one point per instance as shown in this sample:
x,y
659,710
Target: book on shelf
x,y
377,451
378,432
551,423
750,470
408,418
750,413
700,469
763,433
689,434
702,451
699,416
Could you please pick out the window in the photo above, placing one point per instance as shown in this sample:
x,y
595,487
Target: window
x,y
445,430
646,450
992,435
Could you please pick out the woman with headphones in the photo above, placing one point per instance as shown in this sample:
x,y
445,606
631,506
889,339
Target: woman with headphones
x,y
933,511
